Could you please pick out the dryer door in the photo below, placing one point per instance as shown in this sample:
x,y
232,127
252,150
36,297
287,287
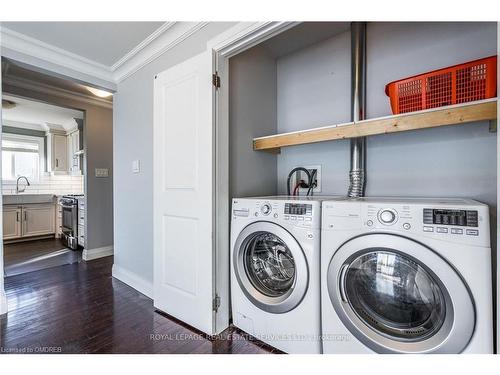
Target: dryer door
x,y
397,296
270,267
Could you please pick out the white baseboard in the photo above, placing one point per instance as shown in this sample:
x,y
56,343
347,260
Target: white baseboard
x,y
132,279
3,302
100,252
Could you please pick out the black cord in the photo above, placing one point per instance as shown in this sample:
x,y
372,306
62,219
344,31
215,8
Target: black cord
x,y
311,182
295,170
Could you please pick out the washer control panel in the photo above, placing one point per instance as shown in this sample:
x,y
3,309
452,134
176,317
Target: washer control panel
x,y
302,214
300,209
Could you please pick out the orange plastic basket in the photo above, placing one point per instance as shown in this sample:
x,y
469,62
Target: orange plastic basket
x,y
474,80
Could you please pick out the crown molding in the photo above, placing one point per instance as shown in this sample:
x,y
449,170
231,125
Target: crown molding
x,y
160,41
44,88
33,47
159,31
157,46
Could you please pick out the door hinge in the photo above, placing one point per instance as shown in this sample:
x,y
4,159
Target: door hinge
x,y
216,303
216,80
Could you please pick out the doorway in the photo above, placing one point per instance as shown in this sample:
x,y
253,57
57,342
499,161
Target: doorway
x,y
42,185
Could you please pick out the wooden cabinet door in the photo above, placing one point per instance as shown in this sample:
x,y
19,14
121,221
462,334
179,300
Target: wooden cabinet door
x,y
60,153
38,219
11,222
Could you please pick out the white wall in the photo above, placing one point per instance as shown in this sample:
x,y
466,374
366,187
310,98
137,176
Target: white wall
x,y
133,140
57,185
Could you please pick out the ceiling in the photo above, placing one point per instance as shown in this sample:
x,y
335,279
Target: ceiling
x,y
15,73
31,114
103,42
303,35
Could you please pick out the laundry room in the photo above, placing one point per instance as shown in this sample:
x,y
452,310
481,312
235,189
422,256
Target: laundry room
x,y
301,79
291,95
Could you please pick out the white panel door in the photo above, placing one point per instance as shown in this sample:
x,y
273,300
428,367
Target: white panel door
x,y
183,192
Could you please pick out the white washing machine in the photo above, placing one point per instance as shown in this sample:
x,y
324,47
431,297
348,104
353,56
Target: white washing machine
x,y
406,276
275,274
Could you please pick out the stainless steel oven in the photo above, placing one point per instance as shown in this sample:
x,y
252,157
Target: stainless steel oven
x,y
69,208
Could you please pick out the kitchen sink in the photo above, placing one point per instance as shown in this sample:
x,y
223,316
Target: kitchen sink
x,y
28,198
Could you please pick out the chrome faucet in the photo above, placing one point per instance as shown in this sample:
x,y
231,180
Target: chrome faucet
x,y
25,186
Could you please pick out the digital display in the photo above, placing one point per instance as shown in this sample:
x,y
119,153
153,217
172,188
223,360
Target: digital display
x,y
461,218
298,209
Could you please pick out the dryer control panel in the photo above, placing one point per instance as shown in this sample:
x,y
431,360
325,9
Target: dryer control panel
x,y
462,218
457,220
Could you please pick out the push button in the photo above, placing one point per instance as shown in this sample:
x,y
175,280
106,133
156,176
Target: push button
x,y
441,230
457,231
472,232
428,229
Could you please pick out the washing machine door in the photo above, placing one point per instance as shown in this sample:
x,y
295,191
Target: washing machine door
x,y
270,267
396,295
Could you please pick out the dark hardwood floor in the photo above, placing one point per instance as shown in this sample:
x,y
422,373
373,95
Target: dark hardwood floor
x,y
81,308
29,256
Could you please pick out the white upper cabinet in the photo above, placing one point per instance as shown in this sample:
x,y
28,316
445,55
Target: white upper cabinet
x,y
73,155
63,154
57,153
60,154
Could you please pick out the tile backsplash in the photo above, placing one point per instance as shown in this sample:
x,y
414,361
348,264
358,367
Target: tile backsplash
x,y
57,185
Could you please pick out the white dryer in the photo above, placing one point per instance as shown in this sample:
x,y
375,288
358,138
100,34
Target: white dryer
x,y
275,272
406,276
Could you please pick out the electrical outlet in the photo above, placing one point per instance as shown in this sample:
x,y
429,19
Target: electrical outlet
x,y
302,176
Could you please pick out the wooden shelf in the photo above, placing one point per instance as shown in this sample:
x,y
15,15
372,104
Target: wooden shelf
x,y
443,116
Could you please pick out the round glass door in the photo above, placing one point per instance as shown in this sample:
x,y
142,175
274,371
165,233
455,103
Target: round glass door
x,y
269,264
270,267
395,295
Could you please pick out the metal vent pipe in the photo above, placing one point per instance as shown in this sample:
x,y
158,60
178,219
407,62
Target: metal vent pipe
x,y
357,175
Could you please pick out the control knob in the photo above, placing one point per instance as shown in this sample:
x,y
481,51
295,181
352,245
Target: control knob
x,y
266,209
387,217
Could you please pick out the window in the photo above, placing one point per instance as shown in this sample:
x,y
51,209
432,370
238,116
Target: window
x,y
22,156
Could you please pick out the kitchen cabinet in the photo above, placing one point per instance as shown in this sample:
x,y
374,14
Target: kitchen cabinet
x,y
73,152
11,222
60,154
38,219
28,220
57,153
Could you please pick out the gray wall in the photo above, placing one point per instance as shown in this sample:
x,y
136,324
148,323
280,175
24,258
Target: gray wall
x,y
98,139
133,140
457,161
252,112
